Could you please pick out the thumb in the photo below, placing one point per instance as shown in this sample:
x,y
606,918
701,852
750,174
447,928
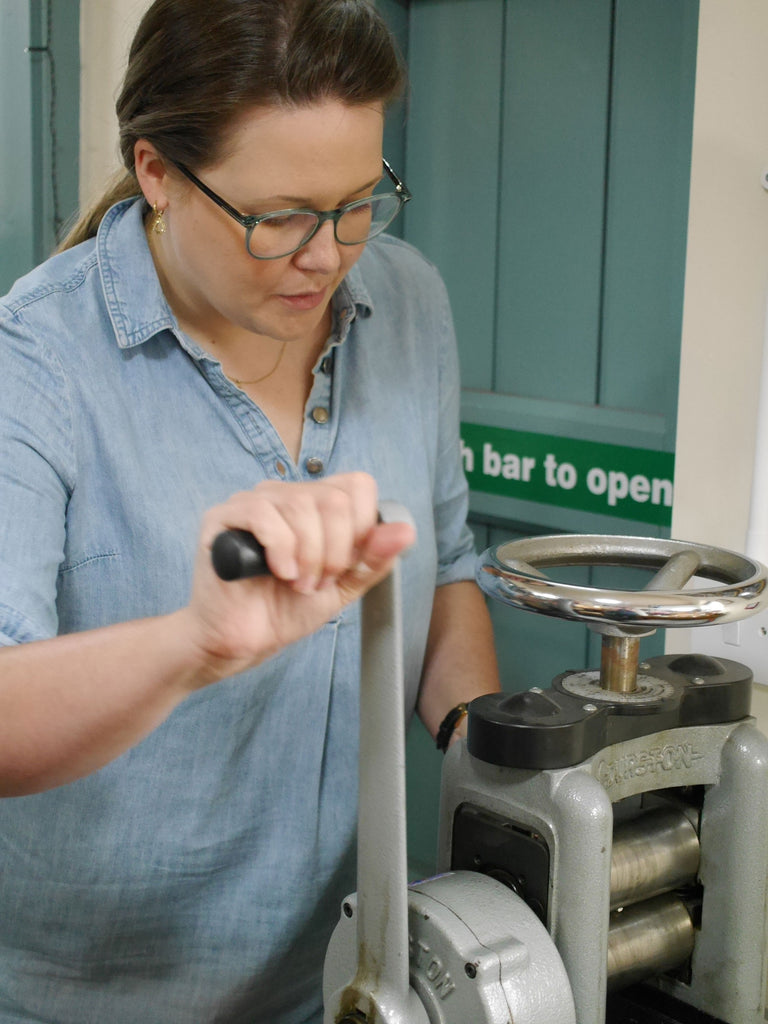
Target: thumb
x,y
377,555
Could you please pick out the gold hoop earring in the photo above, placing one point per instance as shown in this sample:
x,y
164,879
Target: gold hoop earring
x,y
158,220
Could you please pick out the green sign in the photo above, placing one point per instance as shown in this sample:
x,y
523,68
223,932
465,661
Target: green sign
x,y
610,479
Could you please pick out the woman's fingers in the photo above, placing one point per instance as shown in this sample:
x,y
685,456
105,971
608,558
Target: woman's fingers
x,y
312,532
383,543
325,548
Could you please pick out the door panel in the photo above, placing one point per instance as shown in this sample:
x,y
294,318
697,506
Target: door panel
x,y
39,100
16,236
647,201
557,72
548,150
453,144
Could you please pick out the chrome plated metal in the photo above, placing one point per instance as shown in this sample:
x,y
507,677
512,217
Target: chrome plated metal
x,y
653,853
504,574
648,938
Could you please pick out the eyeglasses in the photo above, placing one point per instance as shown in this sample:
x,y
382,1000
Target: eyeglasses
x,y
269,236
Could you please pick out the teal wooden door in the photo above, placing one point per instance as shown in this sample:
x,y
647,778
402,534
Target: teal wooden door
x,y
39,124
547,145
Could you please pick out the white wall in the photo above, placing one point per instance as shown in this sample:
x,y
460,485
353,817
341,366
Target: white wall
x,y
106,29
726,275
726,290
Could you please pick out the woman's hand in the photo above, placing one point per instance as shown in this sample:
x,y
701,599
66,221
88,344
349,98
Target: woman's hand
x,y
71,704
325,548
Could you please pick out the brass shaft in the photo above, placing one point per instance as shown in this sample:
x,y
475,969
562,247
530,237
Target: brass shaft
x,y
618,663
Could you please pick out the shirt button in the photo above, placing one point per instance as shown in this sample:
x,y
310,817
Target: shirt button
x,y
280,467
314,466
320,414
326,365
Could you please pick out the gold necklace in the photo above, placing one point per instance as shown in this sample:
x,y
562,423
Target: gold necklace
x,y
258,380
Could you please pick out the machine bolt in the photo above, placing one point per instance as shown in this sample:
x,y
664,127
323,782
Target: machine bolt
x,y
697,680
590,707
470,970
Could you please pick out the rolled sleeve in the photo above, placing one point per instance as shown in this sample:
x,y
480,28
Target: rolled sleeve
x,y
35,481
455,542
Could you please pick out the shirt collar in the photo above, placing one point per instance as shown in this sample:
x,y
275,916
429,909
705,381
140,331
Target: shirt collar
x,y
353,294
135,301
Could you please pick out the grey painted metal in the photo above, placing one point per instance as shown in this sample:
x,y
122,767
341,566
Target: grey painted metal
x,y
729,965
572,813
478,954
375,979
677,571
572,810
502,960
742,590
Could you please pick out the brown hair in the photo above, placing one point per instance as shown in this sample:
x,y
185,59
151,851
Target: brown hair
x,y
195,65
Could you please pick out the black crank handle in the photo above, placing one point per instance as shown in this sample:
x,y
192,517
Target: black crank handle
x,y
237,555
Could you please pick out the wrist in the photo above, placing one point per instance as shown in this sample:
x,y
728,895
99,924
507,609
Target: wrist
x,y
201,663
452,727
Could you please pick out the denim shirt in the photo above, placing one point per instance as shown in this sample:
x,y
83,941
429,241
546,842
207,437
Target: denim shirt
x,y
197,877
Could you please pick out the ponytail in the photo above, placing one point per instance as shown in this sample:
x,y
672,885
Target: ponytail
x,y
122,185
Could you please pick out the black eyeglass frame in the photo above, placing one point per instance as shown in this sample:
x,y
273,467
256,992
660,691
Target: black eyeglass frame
x,y
249,222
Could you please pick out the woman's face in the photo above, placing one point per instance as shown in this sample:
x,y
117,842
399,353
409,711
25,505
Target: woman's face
x,y
319,156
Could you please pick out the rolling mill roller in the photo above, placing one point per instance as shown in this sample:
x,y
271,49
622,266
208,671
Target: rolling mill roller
x,y
651,928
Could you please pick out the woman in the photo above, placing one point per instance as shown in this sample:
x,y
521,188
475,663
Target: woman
x,y
182,750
